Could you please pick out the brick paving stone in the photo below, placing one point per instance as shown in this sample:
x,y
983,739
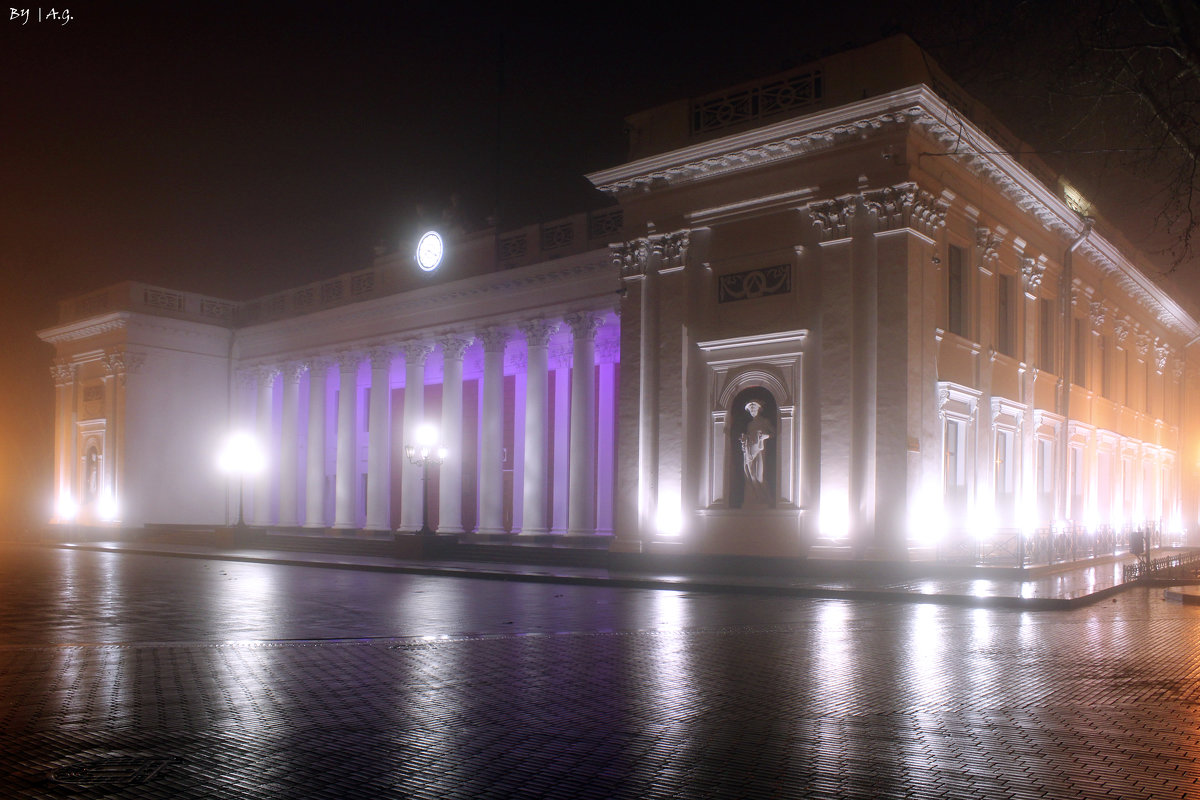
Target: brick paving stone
x,y
737,697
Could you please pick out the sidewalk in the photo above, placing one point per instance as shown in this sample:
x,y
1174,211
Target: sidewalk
x,y
1071,587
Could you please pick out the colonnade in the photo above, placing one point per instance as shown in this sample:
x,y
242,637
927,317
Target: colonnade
x,y
560,419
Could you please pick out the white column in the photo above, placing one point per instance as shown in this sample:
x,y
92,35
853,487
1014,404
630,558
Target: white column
x,y
314,490
450,482
262,424
581,511
379,453
344,511
533,514
288,445
561,450
606,440
491,437
415,354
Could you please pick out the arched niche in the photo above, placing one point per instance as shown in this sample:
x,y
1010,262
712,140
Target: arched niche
x,y
764,367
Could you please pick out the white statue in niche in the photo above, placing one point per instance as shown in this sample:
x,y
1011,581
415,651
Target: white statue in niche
x,y
754,445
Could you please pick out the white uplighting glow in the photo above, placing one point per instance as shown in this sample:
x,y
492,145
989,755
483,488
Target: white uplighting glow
x,y
241,455
835,516
669,519
107,507
65,508
927,516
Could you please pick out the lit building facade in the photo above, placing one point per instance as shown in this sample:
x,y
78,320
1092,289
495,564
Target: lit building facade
x,y
838,315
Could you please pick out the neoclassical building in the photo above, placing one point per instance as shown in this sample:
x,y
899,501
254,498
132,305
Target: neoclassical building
x,y
835,310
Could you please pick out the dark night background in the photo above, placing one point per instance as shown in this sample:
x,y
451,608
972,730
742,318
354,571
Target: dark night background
x,y
239,149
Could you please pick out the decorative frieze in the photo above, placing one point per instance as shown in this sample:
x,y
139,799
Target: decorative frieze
x,y
755,283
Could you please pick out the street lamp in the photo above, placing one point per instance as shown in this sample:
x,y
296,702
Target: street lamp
x,y
425,452
241,456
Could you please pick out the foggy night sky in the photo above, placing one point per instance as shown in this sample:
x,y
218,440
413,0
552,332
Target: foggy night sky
x,y
241,149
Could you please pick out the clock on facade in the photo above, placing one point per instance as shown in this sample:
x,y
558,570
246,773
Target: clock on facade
x,y
430,250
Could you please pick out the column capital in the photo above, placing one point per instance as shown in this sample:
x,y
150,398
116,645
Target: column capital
x,y
381,357
292,372
265,373
348,360
454,345
62,372
119,363
538,331
583,324
416,351
317,367
494,340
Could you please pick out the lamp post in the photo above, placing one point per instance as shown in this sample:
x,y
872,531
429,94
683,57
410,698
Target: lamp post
x,y
241,456
425,452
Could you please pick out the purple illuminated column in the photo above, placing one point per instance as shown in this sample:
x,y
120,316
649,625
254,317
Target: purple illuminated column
x,y
533,514
415,354
344,487
379,462
314,487
288,445
581,511
450,478
491,437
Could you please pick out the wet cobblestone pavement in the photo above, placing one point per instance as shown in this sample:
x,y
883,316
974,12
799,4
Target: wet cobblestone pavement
x,y
139,676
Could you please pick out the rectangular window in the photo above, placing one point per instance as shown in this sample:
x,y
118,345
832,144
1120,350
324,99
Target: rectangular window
x,y
1005,341
956,292
1004,465
1079,357
1104,365
1046,335
953,466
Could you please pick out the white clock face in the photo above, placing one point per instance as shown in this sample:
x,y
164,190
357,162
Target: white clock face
x,y
429,251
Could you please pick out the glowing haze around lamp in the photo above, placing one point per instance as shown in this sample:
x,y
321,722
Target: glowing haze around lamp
x,y
422,454
241,456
